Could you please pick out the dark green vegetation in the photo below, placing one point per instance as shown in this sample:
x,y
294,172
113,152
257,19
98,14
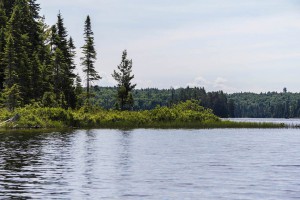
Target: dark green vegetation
x,y
148,99
123,77
183,115
37,61
266,105
240,105
89,58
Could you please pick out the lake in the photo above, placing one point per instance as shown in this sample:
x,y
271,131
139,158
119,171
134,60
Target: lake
x,y
151,164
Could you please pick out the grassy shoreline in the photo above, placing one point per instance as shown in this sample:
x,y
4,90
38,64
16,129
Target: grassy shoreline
x,y
186,115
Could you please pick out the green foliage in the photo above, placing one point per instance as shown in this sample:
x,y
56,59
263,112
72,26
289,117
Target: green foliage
x,y
12,97
123,77
3,20
266,105
184,115
48,100
148,99
89,57
34,57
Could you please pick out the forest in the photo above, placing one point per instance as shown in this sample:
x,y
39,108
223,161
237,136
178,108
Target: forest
x,y
150,98
38,86
37,60
239,105
266,105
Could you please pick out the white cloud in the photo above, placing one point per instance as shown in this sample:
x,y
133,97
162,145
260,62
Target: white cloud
x,y
213,85
200,82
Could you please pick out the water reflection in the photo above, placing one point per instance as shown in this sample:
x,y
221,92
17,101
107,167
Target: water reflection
x,y
22,155
90,158
123,164
19,153
150,164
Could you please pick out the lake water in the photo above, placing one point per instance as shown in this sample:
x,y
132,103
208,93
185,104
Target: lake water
x,y
151,164
289,122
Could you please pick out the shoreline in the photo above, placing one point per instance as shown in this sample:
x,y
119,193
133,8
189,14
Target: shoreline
x,y
169,125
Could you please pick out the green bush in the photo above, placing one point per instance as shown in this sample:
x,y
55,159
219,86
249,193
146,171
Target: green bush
x,y
184,115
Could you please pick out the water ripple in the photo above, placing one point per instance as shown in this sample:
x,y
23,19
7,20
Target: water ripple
x,y
151,164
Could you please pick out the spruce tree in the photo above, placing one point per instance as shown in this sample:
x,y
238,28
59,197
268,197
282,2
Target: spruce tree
x,y
79,92
123,77
17,30
3,20
89,57
63,63
11,92
44,54
8,6
34,8
71,96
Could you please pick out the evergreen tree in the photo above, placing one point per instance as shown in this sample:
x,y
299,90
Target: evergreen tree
x,y
124,78
79,92
3,20
63,63
36,77
58,65
8,6
10,58
44,54
34,8
17,29
89,57
70,92
11,92
12,97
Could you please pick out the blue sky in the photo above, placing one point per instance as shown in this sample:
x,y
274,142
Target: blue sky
x,y
229,45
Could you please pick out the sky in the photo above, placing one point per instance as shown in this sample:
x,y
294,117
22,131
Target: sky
x,y
229,45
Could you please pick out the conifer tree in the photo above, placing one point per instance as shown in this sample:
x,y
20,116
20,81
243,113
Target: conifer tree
x,y
45,61
79,92
123,77
11,92
34,8
17,30
89,57
71,96
63,64
12,97
3,20
8,6
10,58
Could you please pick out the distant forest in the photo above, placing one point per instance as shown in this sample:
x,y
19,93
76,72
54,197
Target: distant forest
x,y
263,105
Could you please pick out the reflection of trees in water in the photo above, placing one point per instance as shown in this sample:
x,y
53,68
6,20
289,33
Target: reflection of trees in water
x,y
21,156
124,162
90,157
19,153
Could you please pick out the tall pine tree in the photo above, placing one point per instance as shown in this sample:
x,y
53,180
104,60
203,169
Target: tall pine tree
x,y
123,77
89,57
3,20
63,64
17,31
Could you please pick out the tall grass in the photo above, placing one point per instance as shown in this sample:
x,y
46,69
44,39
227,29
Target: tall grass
x,y
184,115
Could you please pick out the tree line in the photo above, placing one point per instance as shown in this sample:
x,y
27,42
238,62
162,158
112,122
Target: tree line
x,y
239,105
266,105
150,98
37,61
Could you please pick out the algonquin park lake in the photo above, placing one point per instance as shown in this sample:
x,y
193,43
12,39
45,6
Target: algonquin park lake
x,y
151,164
